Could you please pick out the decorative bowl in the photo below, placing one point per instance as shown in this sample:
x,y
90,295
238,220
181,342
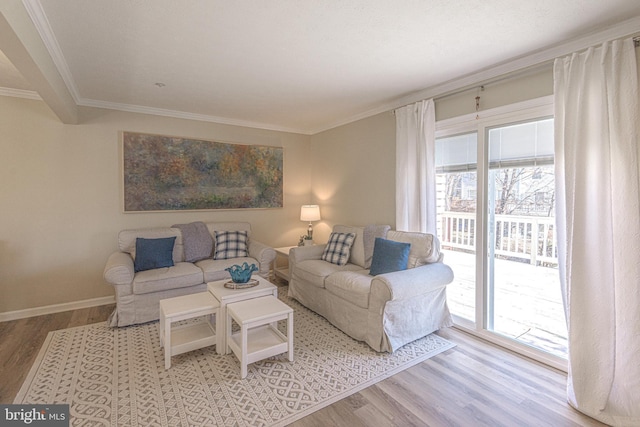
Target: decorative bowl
x,y
241,274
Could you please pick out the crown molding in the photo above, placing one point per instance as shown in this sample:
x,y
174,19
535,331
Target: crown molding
x,y
39,18
20,93
40,21
130,108
519,64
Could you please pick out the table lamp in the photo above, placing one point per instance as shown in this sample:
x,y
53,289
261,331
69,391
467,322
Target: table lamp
x,y
310,213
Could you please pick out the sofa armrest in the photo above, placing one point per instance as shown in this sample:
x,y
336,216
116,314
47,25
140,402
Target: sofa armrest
x,y
303,253
407,284
264,254
119,269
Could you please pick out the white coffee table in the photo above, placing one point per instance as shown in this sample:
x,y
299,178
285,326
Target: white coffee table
x,y
259,337
191,336
226,296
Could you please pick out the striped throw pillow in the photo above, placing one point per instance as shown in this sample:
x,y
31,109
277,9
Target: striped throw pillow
x,y
338,248
231,244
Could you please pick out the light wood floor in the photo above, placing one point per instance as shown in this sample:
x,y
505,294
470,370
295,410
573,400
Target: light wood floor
x,y
473,384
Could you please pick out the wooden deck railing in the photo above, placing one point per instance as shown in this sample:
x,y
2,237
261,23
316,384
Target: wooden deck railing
x,y
515,236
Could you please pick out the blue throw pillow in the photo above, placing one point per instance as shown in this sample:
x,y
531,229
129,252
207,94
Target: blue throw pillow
x,y
389,256
153,253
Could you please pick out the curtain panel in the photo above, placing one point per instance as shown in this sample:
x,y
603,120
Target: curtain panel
x,y
415,167
598,220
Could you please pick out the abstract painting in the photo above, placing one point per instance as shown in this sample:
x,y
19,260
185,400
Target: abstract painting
x,y
170,173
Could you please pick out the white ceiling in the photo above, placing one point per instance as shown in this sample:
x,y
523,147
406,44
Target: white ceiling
x,y
296,65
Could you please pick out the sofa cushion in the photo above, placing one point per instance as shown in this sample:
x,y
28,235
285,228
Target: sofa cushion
x,y
357,252
314,271
197,241
181,275
389,256
372,231
425,248
338,248
127,240
153,253
352,286
213,269
231,244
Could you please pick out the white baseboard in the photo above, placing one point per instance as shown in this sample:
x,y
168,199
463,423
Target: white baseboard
x,y
55,308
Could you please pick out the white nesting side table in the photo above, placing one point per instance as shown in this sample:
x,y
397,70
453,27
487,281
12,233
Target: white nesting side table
x,y
192,336
259,336
227,296
282,255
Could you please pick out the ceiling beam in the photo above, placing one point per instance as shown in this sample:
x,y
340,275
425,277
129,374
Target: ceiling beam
x,y
21,43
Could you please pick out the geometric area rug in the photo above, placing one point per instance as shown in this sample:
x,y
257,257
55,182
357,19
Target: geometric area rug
x,y
116,377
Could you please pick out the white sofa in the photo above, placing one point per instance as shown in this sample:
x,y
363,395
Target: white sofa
x,y
138,293
386,311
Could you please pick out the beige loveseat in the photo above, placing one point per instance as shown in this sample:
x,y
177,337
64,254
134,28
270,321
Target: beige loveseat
x,y
386,311
138,293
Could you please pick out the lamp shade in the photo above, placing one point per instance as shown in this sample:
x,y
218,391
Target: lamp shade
x,y
310,213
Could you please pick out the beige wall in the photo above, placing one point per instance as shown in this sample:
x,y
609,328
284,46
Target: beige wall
x,y
353,178
353,174
504,92
61,197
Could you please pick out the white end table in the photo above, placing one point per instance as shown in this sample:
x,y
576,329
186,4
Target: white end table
x,y
227,296
192,336
282,270
259,336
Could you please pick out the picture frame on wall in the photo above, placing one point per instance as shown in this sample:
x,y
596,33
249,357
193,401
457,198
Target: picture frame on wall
x,y
167,173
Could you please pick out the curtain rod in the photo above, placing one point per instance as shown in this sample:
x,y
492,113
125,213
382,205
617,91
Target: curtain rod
x,y
512,75
481,86
515,74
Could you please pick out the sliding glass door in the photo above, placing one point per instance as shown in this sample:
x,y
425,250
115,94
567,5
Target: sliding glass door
x,y
496,224
456,189
523,287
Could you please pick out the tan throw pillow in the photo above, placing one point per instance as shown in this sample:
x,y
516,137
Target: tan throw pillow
x,y
425,248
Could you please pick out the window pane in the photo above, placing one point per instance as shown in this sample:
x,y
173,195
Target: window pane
x,y
457,152
531,143
456,207
524,299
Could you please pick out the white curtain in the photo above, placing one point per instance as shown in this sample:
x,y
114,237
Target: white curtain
x,y
598,216
415,167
